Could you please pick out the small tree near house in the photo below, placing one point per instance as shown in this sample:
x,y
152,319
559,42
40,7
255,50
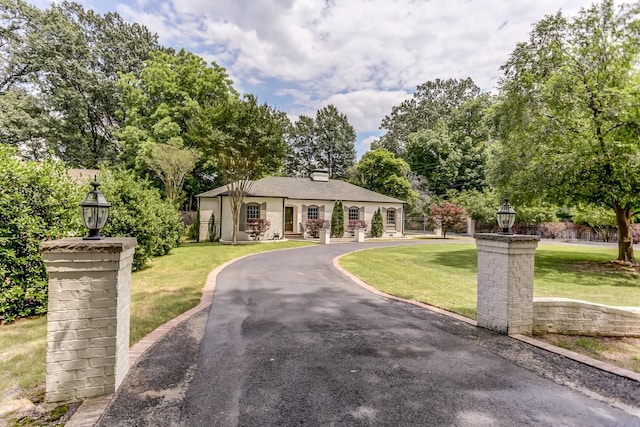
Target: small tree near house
x,y
246,140
377,227
448,215
337,220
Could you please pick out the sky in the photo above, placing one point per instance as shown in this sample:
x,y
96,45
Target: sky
x,y
363,56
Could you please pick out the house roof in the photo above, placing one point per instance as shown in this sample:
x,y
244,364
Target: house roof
x,y
306,188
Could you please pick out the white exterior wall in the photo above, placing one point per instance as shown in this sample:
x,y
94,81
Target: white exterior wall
x,y
369,210
274,214
208,206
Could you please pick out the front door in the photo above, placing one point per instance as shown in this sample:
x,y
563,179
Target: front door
x,y
288,219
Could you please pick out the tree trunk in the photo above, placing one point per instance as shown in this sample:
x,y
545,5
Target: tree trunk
x,y
235,213
625,240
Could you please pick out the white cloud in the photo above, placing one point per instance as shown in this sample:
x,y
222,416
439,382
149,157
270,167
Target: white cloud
x,y
365,145
364,56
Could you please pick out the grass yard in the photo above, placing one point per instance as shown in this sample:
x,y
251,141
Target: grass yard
x,y
169,286
444,275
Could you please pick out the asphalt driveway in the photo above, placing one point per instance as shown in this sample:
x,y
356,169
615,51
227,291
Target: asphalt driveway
x,y
290,341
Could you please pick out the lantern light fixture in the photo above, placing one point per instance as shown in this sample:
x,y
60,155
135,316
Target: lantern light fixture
x,y
94,211
506,216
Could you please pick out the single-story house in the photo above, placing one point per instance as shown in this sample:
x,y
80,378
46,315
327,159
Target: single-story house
x,y
290,206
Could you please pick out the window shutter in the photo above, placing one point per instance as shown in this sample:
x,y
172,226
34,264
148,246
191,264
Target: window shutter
x,y
346,217
321,213
263,210
398,219
383,211
243,217
361,213
305,217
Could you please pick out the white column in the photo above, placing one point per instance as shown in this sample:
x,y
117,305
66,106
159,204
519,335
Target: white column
x,y
471,226
360,235
505,282
88,316
325,236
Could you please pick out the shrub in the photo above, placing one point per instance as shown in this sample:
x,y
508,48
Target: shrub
x,y
193,230
377,226
256,227
635,233
356,223
313,226
552,230
137,210
337,220
448,215
38,201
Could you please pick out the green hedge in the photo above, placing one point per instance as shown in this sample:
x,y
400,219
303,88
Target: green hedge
x,y
137,210
38,201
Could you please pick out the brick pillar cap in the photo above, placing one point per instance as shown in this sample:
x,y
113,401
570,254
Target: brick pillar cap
x,y
76,244
506,237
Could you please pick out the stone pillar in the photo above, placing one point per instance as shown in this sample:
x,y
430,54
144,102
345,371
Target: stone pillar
x,y
88,316
505,282
360,235
325,236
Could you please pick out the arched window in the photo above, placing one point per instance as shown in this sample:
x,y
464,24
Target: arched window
x,y
354,214
391,216
313,212
253,211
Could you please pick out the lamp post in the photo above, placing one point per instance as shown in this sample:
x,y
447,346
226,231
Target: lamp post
x,y
94,210
506,216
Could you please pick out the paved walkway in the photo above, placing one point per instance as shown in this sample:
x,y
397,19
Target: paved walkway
x,y
289,341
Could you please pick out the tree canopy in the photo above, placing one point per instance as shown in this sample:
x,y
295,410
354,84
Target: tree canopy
x,y
158,106
71,58
381,171
569,126
326,141
247,140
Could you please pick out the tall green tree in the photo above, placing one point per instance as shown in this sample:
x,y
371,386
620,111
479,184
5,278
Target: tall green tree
x,y
71,58
246,140
326,141
337,219
158,106
335,139
302,153
381,171
568,126
432,101
433,154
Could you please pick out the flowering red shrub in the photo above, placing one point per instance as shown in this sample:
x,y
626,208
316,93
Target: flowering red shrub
x,y
448,215
257,227
313,226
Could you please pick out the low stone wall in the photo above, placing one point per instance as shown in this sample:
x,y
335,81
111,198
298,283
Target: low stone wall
x,y
574,317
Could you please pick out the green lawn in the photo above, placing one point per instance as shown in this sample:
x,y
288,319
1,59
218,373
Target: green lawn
x,y
169,286
444,275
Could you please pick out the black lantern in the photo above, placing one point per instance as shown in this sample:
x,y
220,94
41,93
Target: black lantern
x,y
506,216
95,210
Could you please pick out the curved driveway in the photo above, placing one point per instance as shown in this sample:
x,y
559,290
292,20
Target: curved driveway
x,y
290,341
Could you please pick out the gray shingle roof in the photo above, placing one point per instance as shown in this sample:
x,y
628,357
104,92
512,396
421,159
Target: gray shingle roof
x,y
305,188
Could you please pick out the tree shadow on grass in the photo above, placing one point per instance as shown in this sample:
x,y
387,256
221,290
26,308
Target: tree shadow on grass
x,y
550,266
554,267
464,259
